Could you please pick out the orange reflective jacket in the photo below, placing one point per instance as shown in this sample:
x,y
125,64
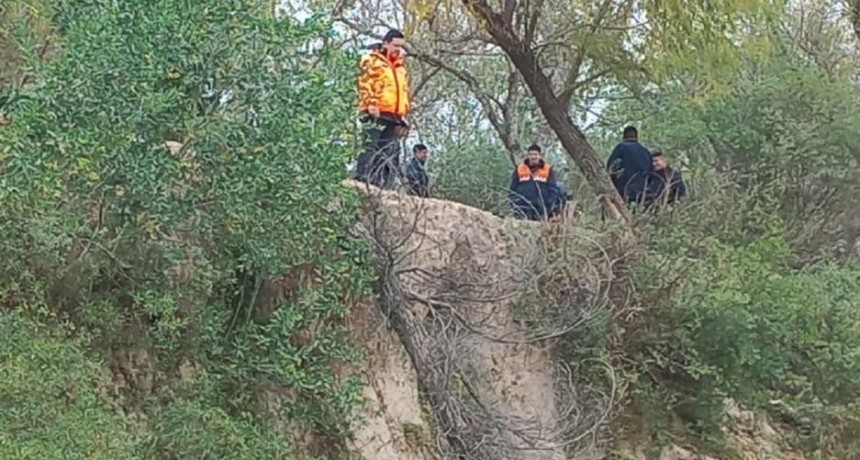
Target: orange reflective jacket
x,y
524,173
383,83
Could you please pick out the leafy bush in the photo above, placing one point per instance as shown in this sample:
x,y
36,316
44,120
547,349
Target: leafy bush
x,y
191,427
739,320
476,173
743,295
229,247
54,402
786,132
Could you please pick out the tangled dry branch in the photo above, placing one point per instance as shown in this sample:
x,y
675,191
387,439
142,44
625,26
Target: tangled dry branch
x,y
462,316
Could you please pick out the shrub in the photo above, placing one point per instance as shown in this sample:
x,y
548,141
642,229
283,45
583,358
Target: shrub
x,y
740,320
54,402
173,181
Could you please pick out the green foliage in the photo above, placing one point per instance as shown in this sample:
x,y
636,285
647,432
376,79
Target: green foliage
x,y
226,252
785,134
745,324
473,172
744,296
191,427
702,38
54,402
25,39
804,122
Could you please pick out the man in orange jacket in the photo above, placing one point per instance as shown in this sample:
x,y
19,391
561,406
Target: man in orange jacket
x,y
383,100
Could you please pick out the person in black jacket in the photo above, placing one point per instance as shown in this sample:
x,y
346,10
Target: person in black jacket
x,y
629,166
534,190
666,180
417,182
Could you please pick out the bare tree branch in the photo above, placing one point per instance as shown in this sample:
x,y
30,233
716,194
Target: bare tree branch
x,y
534,16
456,318
416,90
502,124
570,84
571,137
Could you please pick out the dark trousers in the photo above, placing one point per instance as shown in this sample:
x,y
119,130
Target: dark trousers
x,y
379,163
528,211
419,190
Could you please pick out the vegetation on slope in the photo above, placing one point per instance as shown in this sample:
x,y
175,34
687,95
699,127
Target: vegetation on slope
x,y
111,242
54,397
180,253
752,288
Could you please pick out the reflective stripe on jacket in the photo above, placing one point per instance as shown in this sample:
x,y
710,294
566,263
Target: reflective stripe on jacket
x,y
533,192
541,174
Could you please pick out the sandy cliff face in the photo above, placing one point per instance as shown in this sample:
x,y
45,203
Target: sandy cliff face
x,y
470,262
461,271
395,424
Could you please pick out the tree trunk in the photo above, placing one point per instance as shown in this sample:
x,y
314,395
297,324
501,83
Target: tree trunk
x,y
622,290
855,18
556,114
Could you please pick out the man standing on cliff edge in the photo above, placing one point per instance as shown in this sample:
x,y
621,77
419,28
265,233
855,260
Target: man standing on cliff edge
x,y
383,101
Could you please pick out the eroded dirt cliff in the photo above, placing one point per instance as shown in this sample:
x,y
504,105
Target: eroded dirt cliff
x,y
457,274
468,264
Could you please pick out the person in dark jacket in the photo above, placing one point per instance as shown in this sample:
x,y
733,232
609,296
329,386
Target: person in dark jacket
x,y
561,199
666,183
629,166
533,190
417,182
